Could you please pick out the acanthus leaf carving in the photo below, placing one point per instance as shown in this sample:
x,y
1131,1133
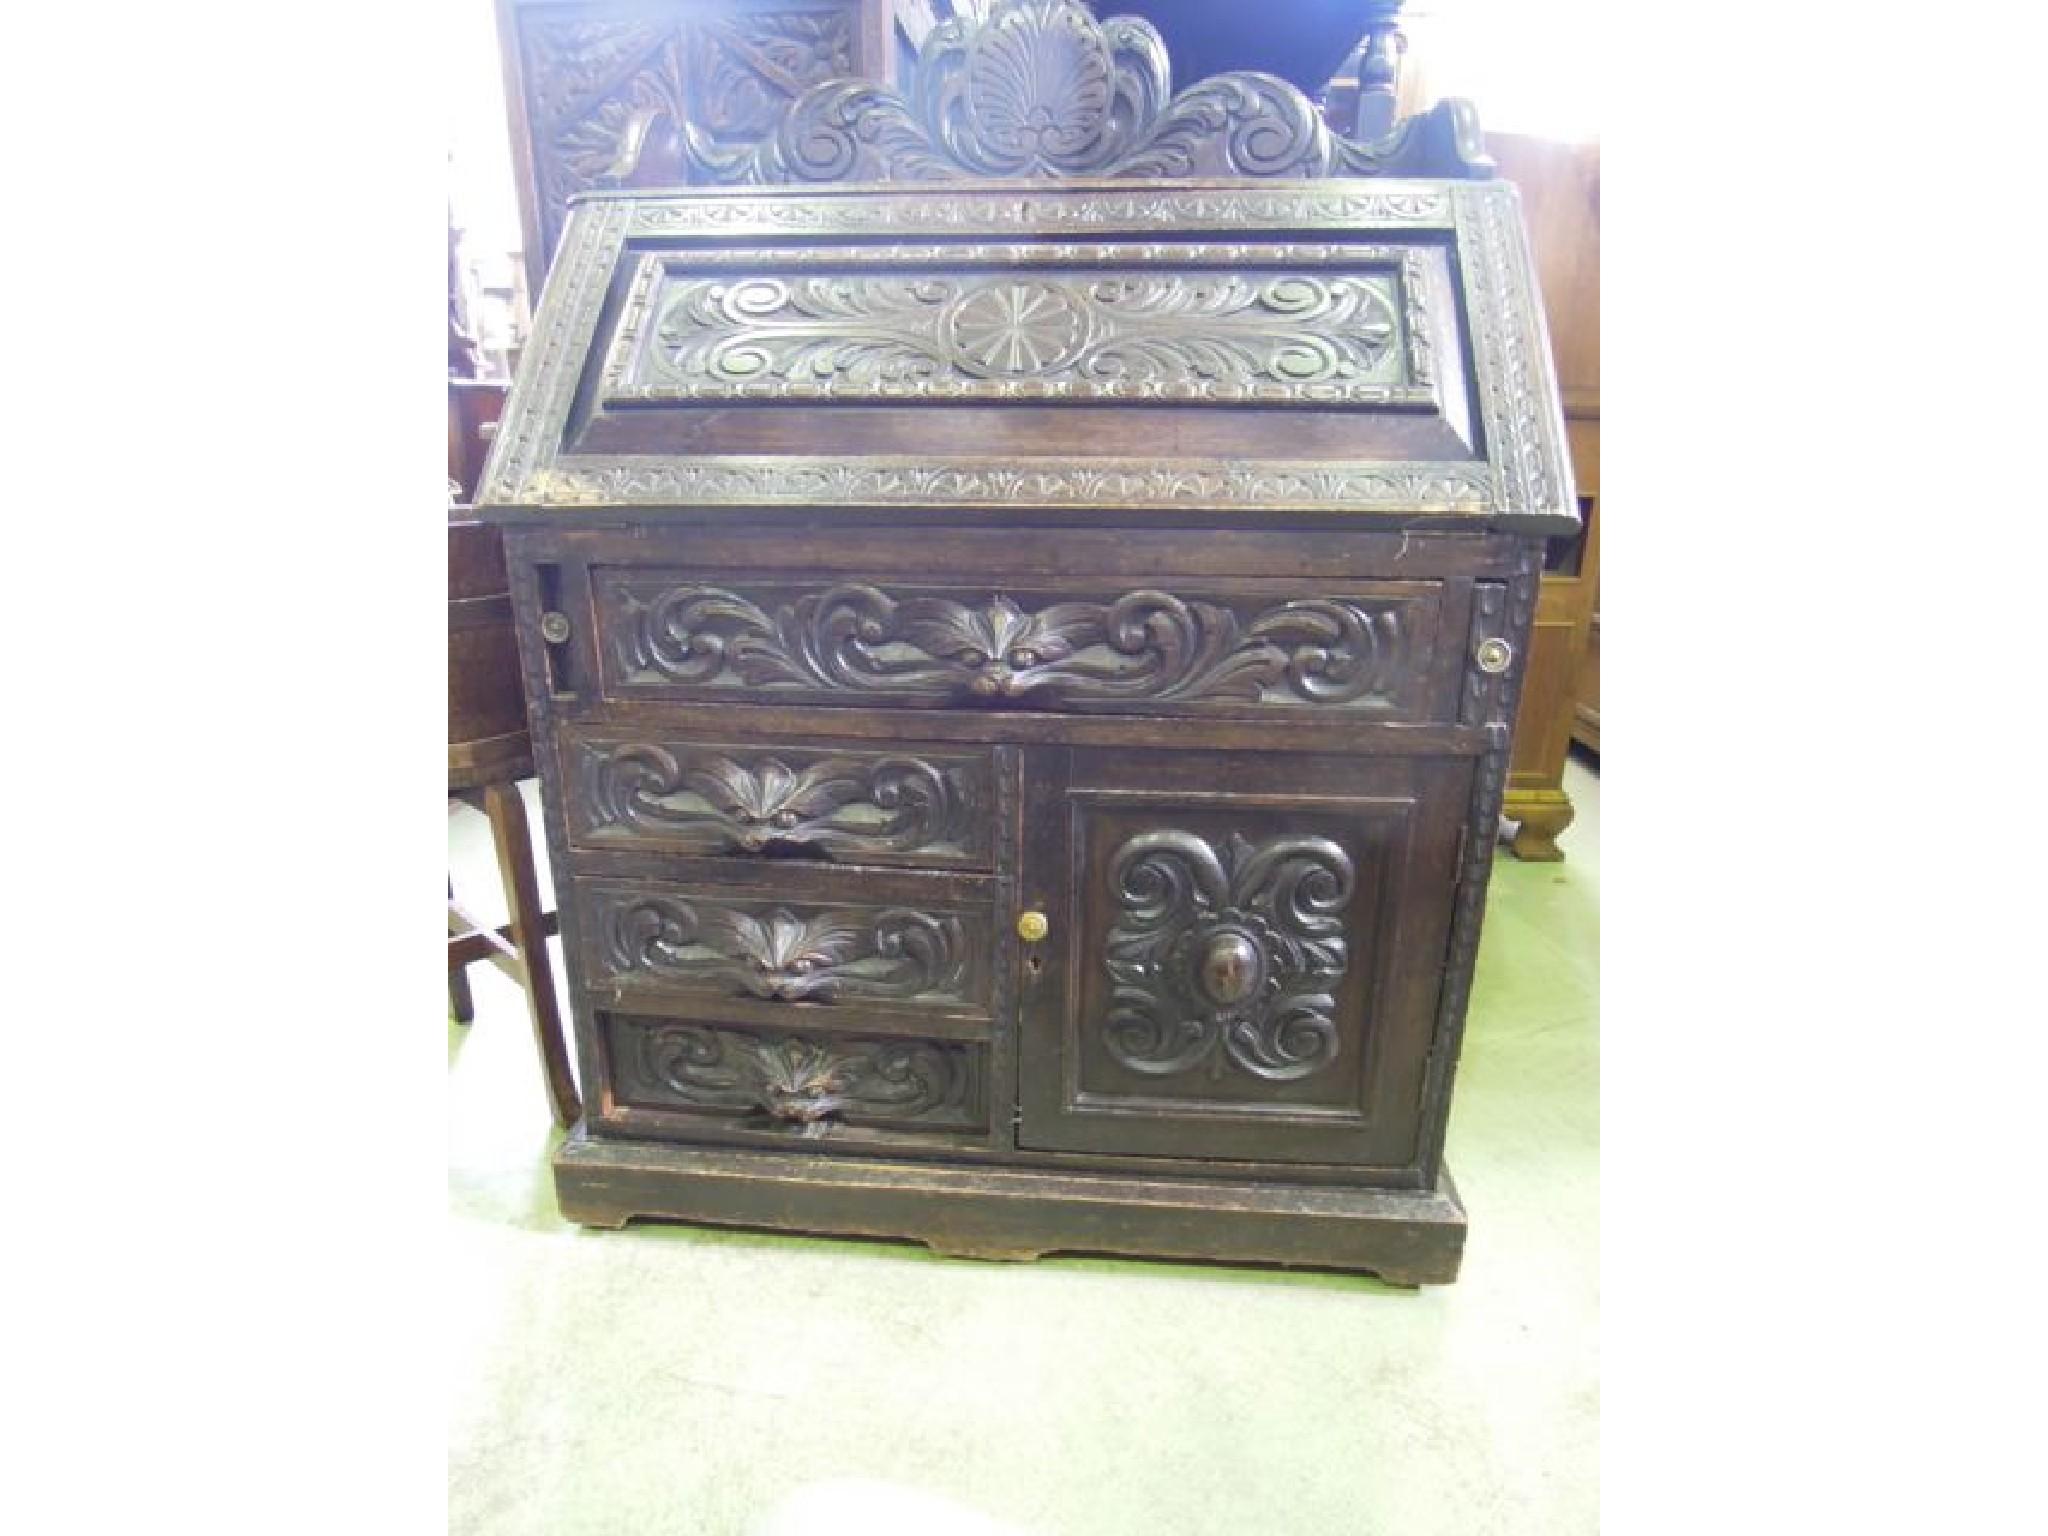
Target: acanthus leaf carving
x,y
822,955
1101,335
1145,644
808,1082
1041,88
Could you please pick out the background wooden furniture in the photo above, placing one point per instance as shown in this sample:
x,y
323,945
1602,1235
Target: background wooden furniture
x,y
489,751
1560,188
1021,669
590,81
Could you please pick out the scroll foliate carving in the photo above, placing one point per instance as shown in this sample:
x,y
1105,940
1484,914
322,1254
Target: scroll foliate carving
x,y
807,1082
1332,339
819,955
1226,954
1041,88
1143,645
749,803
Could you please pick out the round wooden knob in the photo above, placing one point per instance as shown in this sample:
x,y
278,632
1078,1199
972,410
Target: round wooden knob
x,y
1032,926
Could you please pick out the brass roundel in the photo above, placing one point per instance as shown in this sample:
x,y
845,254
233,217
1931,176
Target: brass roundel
x,y
554,627
1494,655
1032,926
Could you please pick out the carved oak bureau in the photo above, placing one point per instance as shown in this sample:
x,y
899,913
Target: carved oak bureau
x,y
1021,597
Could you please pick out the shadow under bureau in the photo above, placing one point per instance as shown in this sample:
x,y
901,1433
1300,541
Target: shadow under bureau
x,y
1021,675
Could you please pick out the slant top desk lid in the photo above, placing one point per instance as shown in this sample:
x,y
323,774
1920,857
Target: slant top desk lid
x,y
1021,305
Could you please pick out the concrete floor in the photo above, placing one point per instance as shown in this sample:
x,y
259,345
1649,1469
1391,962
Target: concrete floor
x,y
678,1380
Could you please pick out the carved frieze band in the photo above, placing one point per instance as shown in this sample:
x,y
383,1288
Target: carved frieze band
x,y
1145,645
734,801
1226,954
1282,338
808,1082
1418,205
1519,398
1042,88
817,954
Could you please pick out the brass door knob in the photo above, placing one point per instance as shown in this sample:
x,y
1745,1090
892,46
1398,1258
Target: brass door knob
x,y
554,627
1032,926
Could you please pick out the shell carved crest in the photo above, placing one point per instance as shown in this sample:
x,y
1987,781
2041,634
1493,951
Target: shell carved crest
x,y
1042,88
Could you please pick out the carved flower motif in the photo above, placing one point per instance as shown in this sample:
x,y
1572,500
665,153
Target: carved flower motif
x,y
1018,329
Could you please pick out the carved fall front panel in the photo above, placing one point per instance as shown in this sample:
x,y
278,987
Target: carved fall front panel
x,y
858,642
826,325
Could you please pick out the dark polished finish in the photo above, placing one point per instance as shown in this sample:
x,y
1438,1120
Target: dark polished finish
x,y
1022,746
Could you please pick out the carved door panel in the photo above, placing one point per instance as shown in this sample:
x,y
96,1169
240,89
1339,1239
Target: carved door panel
x,y
1243,953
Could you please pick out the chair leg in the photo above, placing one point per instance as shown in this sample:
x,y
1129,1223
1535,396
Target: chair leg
x,y
507,813
460,1003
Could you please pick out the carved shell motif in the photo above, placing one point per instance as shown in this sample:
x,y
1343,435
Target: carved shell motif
x,y
1042,88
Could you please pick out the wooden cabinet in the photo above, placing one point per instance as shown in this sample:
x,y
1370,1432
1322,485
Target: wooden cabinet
x,y
1560,188
1022,670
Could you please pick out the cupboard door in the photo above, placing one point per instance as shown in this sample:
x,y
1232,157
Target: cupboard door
x,y
1242,956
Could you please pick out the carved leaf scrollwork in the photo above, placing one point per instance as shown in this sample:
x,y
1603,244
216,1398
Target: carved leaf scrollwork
x,y
1142,645
1042,88
1194,336
827,956
1227,953
805,1082
829,805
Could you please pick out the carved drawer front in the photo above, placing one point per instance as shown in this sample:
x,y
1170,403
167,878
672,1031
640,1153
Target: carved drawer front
x,y
667,1075
1177,648
1252,959
918,806
785,954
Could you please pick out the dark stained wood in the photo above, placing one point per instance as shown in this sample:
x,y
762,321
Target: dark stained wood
x,y
507,811
942,859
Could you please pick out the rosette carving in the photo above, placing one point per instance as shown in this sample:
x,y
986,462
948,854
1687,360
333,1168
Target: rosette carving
x,y
1172,336
1142,645
1226,953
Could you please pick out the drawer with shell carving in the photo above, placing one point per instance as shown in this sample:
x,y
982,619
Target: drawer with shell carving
x,y
768,954
1368,648
914,805
673,1076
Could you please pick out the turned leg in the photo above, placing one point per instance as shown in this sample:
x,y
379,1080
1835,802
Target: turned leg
x,y
507,813
1536,837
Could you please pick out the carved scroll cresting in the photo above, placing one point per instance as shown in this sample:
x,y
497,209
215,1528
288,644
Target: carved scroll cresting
x,y
1143,645
1042,88
1226,953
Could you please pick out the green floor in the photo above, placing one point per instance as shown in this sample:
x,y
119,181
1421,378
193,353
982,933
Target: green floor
x,y
676,1380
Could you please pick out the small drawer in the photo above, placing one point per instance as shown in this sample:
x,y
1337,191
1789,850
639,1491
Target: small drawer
x,y
915,806
773,956
667,1076
1364,648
